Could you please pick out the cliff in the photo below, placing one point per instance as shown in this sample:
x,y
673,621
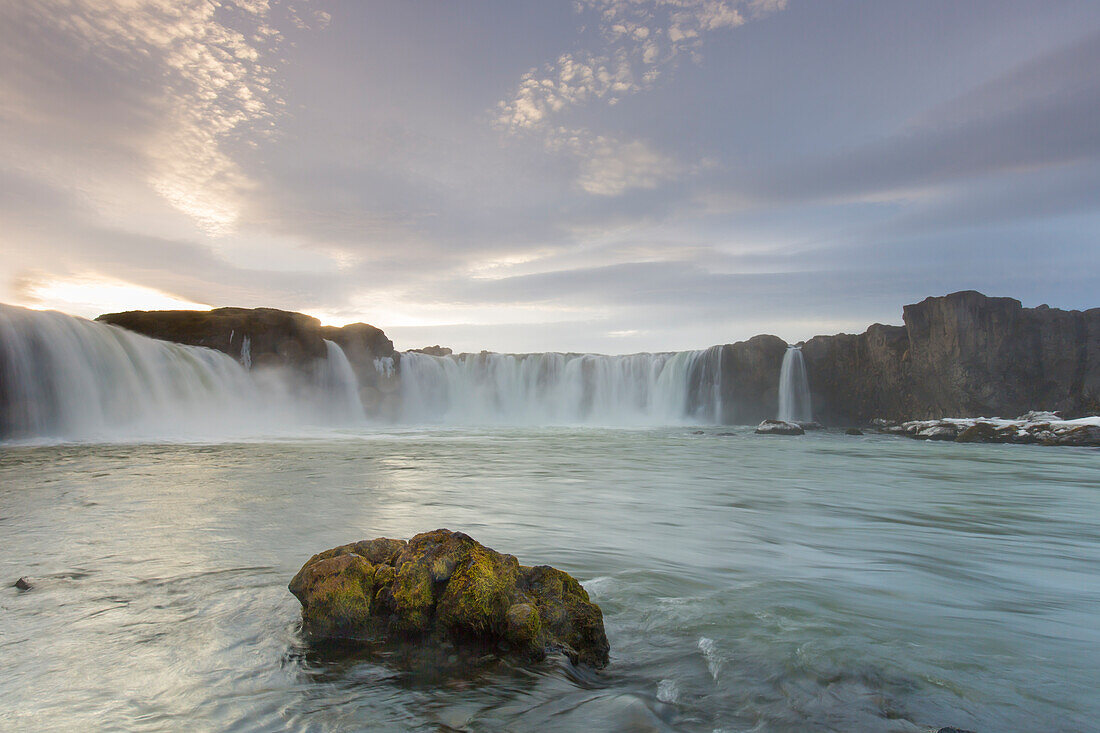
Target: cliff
x,y
960,355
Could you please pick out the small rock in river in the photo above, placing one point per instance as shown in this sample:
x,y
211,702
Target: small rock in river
x,y
22,584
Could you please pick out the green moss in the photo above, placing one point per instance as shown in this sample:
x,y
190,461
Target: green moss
x,y
413,597
480,591
336,595
443,585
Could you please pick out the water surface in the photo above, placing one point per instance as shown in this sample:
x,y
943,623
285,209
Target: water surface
x,y
748,583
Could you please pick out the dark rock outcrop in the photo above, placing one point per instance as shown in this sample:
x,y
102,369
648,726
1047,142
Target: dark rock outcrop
x,y
259,336
750,379
444,587
436,350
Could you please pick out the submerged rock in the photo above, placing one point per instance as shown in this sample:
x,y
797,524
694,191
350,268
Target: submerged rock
x,y
445,587
853,431
779,427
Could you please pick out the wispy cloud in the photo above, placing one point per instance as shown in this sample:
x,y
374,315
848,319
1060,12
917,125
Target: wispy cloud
x,y
214,64
637,39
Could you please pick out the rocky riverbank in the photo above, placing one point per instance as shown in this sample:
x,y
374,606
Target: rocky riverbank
x,y
1041,428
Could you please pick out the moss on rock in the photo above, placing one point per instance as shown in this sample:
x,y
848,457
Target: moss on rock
x,y
340,591
444,587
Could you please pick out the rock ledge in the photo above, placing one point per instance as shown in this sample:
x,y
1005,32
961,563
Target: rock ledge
x,y
445,586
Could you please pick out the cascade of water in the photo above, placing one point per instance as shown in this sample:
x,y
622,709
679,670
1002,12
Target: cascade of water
x,y
554,388
67,377
340,386
794,388
70,378
246,351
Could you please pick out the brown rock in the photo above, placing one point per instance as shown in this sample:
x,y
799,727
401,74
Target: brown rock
x,y
444,587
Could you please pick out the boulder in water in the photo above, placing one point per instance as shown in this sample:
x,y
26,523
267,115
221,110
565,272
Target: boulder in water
x,y
22,584
853,431
779,427
444,587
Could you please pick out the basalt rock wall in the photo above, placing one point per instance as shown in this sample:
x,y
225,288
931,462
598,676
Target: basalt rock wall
x,y
750,379
960,355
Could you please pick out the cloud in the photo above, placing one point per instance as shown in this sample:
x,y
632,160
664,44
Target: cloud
x,y
1038,116
610,168
208,70
637,39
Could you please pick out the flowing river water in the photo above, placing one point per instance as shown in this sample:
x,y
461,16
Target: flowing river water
x,y
748,583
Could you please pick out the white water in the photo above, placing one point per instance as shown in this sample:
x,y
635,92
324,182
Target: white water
x,y
69,378
554,388
72,379
340,385
794,388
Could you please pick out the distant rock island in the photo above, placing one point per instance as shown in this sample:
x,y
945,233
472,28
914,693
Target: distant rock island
x,y
959,355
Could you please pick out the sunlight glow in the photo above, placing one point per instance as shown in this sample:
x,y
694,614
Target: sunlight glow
x,y
93,295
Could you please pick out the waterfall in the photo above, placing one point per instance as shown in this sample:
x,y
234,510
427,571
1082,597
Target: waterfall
x,y
555,388
340,386
794,388
69,378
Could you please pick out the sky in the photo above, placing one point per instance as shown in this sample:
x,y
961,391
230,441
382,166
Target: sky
x,y
532,175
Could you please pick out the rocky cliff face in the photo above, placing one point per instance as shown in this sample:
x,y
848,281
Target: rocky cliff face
x,y
750,379
960,355
255,336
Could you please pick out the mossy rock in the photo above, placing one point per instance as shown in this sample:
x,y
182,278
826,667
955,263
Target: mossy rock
x,y
981,432
445,587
